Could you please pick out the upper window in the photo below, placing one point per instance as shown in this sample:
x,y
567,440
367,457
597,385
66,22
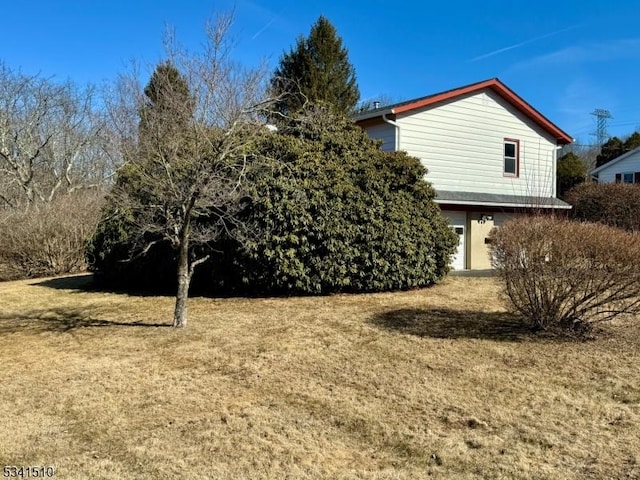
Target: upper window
x,y
627,178
511,157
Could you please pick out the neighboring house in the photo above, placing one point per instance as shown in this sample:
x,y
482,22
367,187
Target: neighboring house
x,y
622,169
489,155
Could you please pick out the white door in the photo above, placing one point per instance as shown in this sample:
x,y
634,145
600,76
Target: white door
x,y
458,257
457,220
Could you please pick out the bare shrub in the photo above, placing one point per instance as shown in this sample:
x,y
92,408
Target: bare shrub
x,y
614,204
562,274
48,239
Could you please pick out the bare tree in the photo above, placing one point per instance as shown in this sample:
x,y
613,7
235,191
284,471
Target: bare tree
x,y
372,103
188,139
50,139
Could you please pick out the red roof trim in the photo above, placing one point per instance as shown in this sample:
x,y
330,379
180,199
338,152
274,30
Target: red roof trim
x,y
500,88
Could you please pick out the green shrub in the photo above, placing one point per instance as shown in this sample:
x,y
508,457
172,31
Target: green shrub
x,y
110,256
617,205
564,274
571,171
327,212
341,215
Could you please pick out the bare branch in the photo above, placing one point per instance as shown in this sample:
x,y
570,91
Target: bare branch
x,y
188,138
51,138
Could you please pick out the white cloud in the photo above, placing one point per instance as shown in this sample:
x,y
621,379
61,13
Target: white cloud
x,y
621,49
259,32
260,13
521,44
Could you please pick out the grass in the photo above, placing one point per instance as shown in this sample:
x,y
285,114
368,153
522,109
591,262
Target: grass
x,y
438,382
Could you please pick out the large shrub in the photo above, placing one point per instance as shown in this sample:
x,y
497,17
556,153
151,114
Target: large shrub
x,y
111,252
341,215
565,274
48,239
617,205
328,212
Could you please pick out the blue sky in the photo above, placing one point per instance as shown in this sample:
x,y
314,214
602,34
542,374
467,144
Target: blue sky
x,y
566,58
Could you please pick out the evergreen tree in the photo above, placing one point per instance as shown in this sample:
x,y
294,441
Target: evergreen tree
x,y
632,142
316,70
614,147
571,171
168,105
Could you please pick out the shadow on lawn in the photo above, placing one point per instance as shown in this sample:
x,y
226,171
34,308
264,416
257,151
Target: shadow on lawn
x,y
61,320
448,323
87,283
83,282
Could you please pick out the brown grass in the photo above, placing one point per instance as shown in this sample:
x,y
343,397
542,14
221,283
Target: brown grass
x,y
438,382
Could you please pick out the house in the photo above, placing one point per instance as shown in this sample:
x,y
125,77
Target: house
x,y
622,169
489,155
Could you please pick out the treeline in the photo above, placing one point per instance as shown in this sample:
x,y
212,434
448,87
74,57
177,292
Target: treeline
x,y
575,164
56,161
61,143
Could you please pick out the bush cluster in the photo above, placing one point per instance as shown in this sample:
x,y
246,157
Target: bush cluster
x,y
327,211
564,274
48,239
616,205
341,215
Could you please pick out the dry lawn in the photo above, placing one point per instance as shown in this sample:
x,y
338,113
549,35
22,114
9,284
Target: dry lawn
x,y
436,383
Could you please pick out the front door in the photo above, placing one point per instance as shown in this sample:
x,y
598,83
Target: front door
x,y
457,221
458,257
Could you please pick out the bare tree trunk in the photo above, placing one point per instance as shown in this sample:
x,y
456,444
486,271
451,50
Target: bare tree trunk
x,y
184,279
185,133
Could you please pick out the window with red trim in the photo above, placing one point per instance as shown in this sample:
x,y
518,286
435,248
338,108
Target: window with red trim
x,y
511,157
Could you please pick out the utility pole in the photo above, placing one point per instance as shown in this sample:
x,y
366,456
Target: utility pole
x,y
601,134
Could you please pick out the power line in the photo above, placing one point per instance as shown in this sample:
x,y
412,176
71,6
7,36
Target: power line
x,y
623,124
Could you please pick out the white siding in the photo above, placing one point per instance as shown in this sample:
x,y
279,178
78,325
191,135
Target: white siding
x,y
386,133
626,165
461,144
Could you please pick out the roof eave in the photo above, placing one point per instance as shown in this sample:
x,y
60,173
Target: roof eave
x,y
502,204
561,137
374,114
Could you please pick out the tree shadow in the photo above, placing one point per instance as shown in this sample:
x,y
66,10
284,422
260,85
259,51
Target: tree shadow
x,y
87,283
61,320
83,282
452,324
90,283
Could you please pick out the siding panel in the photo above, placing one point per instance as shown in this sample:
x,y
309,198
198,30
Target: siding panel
x,y
384,132
461,144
